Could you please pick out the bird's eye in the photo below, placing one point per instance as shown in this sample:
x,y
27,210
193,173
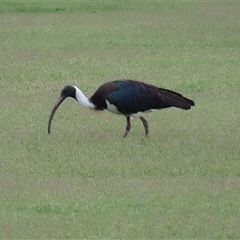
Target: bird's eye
x,y
64,92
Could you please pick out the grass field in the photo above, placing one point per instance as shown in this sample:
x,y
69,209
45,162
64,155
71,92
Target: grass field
x,y
86,181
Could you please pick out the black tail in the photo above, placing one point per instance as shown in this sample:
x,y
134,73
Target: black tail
x,y
174,99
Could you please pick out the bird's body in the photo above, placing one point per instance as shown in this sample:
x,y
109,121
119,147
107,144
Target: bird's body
x,y
126,97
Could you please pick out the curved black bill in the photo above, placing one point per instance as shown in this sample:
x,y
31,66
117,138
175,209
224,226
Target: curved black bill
x,y
55,107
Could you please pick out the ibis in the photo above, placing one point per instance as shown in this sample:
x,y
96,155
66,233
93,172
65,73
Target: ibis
x,y
129,98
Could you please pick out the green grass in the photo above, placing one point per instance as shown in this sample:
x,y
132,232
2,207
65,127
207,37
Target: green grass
x,y
86,181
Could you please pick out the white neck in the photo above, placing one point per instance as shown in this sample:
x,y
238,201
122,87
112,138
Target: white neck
x,y
82,99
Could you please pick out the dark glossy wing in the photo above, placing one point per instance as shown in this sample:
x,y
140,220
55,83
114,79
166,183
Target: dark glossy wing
x,y
132,97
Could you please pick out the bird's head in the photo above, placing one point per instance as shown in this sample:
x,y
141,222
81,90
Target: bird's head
x,y
68,91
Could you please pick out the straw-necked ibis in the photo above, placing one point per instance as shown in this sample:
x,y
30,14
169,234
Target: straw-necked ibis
x,y
129,98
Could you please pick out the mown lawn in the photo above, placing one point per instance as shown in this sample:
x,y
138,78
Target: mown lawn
x,y
86,181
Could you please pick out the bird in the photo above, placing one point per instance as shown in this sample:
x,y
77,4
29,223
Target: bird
x,y
130,98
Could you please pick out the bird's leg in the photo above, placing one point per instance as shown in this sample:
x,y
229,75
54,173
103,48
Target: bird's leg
x,y
145,124
128,127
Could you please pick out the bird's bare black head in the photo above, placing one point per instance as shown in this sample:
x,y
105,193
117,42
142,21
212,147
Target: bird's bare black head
x,y
68,91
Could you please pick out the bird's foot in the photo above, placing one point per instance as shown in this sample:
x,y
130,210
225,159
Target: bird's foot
x,y
125,134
